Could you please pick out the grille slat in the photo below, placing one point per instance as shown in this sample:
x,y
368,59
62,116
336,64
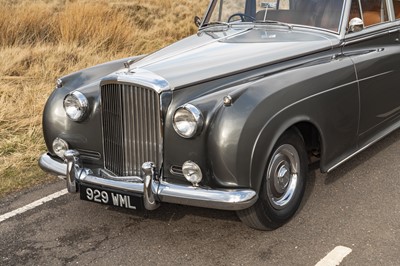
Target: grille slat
x,y
131,128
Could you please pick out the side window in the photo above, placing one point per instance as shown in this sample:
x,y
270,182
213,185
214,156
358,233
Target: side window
x,y
374,12
284,4
225,8
355,11
371,12
396,5
274,4
272,9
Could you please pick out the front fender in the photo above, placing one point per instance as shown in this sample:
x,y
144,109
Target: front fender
x,y
244,134
95,73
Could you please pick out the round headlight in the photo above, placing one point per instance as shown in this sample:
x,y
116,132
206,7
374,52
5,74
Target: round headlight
x,y
59,147
76,106
188,121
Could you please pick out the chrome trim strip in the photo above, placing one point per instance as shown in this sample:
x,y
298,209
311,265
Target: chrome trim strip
x,y
390,113
390,9
342,19
364,35
378,138
176,170
140,77
223,199
351,156
345,19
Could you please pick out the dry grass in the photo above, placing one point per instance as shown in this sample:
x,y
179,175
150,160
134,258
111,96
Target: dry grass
x,y
42,40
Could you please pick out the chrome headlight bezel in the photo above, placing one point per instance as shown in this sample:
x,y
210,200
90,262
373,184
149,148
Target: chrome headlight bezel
x,y
76,106
187,121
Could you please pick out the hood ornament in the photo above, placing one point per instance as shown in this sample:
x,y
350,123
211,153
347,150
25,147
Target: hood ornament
x,y
128,63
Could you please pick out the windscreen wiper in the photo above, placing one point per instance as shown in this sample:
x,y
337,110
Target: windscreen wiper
x,y
215,24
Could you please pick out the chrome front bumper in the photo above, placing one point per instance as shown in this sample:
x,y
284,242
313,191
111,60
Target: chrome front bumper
x,y
154,190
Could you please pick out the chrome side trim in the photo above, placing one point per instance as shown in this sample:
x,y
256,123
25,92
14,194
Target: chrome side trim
x,y
373,141
223,199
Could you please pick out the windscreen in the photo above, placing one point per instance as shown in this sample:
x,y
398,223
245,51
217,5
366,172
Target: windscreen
x,y
324,14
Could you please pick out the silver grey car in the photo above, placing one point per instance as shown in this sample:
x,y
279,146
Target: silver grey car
x,y
231,117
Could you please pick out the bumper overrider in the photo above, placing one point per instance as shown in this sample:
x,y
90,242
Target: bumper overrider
x,y
154,189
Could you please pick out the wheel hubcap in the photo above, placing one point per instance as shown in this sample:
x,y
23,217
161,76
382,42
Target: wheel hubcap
x,y
282,175
283,178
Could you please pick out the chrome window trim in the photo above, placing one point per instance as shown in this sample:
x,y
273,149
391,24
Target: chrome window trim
x,y
390,9
207,14
342,18
212,4
345,19
370,33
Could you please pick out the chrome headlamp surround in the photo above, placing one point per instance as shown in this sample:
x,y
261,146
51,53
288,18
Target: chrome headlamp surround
x,y
188,121
76,106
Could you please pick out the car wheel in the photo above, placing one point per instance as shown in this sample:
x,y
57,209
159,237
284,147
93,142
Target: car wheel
x,y
282,186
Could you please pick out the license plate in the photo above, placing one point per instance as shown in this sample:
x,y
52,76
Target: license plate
x,y
111,197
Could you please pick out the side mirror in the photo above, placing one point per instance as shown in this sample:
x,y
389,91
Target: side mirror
x,y
355,25
197,21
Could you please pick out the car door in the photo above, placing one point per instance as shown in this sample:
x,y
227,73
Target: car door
x,y
375,51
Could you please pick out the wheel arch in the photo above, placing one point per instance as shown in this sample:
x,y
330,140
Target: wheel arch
x,y
307,129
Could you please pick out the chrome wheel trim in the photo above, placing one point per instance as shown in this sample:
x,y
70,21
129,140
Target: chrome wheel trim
x,y
282,176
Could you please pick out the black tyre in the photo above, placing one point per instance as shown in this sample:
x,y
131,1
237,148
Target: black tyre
x,y
282,186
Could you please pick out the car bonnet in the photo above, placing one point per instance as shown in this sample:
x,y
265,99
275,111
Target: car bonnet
x,y
214,54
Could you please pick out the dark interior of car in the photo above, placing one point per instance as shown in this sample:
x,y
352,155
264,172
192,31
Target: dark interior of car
x,y
325,15
322,15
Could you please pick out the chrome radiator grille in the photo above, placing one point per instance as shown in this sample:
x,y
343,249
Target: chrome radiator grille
x,y
131,128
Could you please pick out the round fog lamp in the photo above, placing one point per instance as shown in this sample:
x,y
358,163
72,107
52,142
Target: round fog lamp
x,y
192,172
76,106
59,147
